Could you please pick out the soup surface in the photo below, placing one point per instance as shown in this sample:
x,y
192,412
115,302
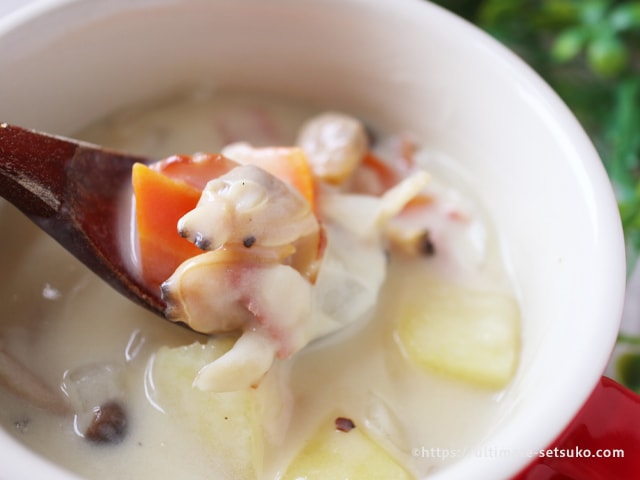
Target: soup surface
x,y
82,349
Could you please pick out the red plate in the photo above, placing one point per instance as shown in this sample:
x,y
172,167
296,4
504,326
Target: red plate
x,y
600,443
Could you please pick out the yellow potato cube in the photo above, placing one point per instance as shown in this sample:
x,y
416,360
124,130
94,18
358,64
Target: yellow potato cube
x,y
227,424
471,335
332,454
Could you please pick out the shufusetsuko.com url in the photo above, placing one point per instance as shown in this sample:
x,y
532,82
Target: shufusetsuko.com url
x,y
436,453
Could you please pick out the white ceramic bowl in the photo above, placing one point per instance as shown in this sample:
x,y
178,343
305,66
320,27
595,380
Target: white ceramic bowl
x,y
410,66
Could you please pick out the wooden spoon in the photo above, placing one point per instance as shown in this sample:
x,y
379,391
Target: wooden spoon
x,y
73,191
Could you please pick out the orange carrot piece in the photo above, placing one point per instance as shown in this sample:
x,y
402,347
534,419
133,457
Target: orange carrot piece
x,y
289,164
160,202
386,175
419,202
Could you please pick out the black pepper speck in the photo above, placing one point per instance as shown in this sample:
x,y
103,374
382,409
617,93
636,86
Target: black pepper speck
x,y
249,241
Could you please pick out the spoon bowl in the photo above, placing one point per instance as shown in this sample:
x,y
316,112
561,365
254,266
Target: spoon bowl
x,y
73,191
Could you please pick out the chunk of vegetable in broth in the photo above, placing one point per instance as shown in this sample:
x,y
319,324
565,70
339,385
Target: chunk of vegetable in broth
x,y
469,335
160,202
342,450
228,424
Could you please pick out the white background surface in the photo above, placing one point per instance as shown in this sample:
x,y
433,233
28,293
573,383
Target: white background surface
x,y
8,6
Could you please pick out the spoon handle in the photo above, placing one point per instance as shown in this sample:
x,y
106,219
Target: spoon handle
x,y
74,192
32,169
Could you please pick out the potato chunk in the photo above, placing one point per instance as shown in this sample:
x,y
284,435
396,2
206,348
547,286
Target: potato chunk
x,y
470,335
228,424
336,454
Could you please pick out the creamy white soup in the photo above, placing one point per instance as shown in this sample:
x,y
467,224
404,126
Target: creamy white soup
x,y
106,389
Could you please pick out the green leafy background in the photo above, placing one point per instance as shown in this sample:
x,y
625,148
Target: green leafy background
x,y
589,52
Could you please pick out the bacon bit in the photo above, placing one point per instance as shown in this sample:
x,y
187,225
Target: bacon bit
x,y
196,170
224,130
322,247
386,176
458,216
344,424
374,176
418,202
266,125
171,161
407,151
